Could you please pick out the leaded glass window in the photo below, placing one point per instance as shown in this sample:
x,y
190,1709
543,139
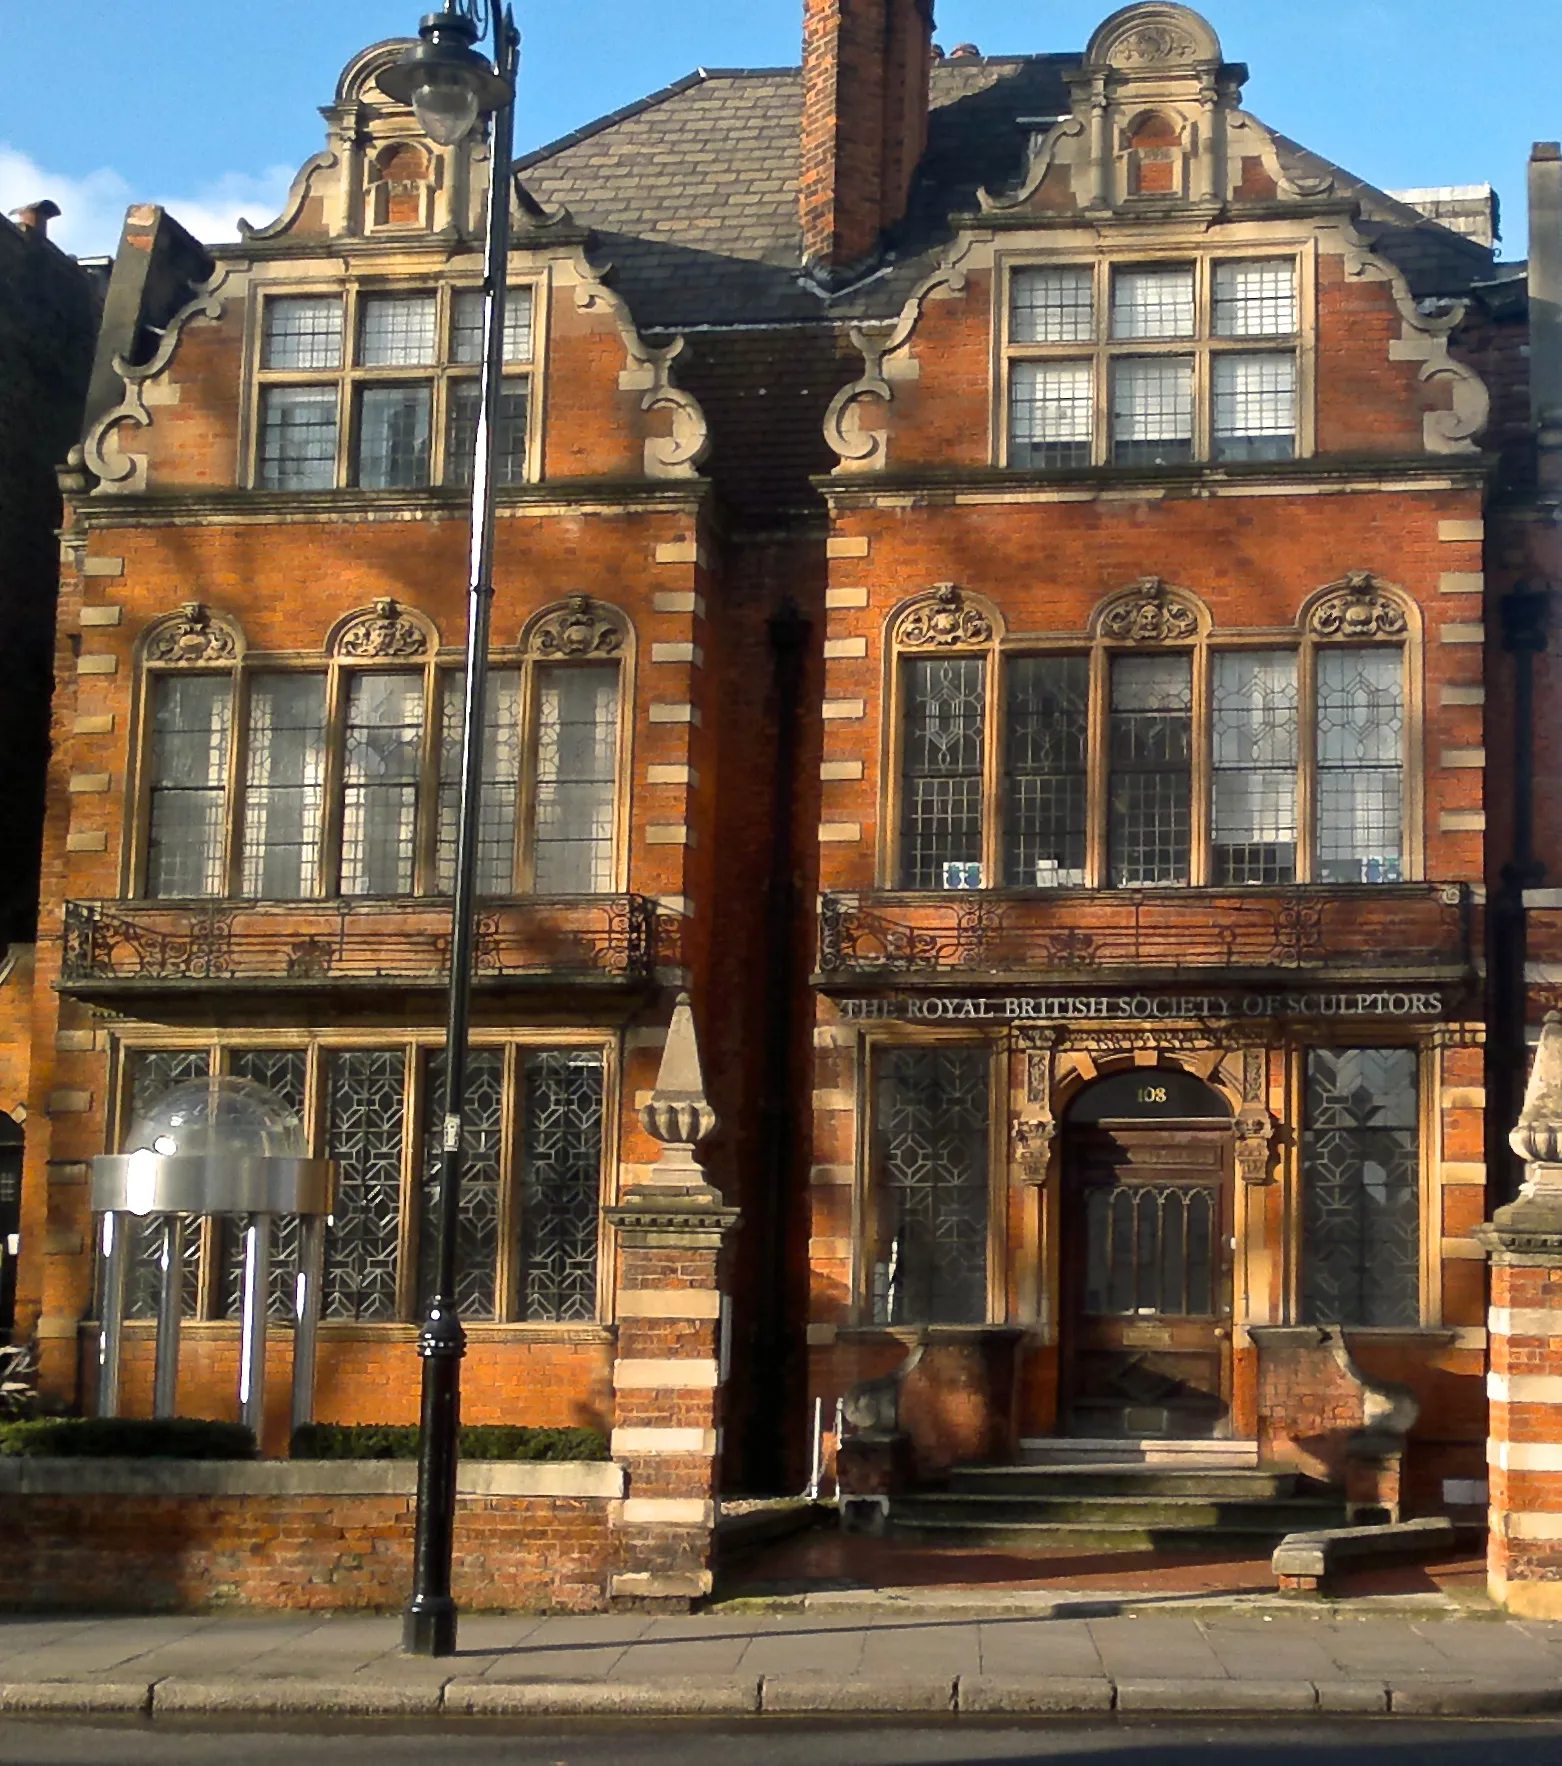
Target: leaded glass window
x,y
298,438
1255,711
1256,298
303,333
381,772
1361,736
1153,301
284,786
1051,414
365,1094
1255,407
461,432
930,1203
1150,808
396,331
394,424
561,1185
941,769
150,1073
187,796
469,316
1361,1189
501,780
285,1073
482,1182
1152,410
1053,305
1046,786
576,776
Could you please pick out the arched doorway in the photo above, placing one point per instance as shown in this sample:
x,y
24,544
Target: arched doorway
x,y
1148,1159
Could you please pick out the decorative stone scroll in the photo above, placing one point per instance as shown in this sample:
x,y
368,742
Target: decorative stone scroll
x,y
580,629
1154,45
384,631
942,620
1356,607
1150,611
194,635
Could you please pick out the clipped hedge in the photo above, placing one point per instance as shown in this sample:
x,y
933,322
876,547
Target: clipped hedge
x,y
115,1437
490,1441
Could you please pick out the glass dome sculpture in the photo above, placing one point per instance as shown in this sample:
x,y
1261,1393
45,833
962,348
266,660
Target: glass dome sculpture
x,y
219,1119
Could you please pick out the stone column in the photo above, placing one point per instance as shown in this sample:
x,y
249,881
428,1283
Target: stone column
x,y
672,1231
1524,1449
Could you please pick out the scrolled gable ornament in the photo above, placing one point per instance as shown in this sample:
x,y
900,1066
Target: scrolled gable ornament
x,y
192,636
942,620
1154,45
581,628
385,630
1150,612
1356,607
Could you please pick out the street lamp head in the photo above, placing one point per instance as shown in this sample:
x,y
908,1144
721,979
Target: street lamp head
x,y
445,80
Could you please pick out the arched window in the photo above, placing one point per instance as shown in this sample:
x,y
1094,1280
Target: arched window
x,y
1155,156
1152,752
294,778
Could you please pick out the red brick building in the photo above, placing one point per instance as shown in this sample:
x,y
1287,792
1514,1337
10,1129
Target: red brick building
x,y
991,599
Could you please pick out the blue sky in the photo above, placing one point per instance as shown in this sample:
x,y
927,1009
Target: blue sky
x,y
210,107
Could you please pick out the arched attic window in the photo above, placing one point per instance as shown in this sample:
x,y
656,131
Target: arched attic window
x,y
1156,156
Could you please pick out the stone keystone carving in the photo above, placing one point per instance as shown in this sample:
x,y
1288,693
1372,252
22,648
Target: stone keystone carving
x,y
581,628
1356,607
385,630
1150,612
942,621
191,636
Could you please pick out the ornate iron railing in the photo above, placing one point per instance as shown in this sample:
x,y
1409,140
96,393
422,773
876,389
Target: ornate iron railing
x,y
581,939
1413,927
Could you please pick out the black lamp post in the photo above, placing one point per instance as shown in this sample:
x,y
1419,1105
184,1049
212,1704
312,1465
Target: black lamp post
x,y
451,86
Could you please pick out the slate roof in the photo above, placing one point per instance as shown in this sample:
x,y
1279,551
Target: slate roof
x,y
692,192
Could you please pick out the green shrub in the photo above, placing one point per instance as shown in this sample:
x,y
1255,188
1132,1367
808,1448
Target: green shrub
x,y
482,1441
113,1437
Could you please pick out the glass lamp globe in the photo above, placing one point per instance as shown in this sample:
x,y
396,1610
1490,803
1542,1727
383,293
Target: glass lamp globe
x,y
219,1119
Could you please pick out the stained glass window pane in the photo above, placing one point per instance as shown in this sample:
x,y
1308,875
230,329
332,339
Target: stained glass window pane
x,y
284,786
282,1071
1053,305
1361,733
303,333
384,743
393,437
1045,787
150,1073
945,730
365,1091
482,1181
396,331
1361,1189
1255,719
191,729
1151,790
501,780
298,438
467,320
1256,298
1150,302
1255,407
561,1185
1051,413
461,403
1152,410
929,1219
577,769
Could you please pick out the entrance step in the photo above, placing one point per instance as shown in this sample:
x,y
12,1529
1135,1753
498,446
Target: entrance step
x,y
1212,1483
1153,1451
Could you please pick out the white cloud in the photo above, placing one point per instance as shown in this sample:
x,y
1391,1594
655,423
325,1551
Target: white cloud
x,y
92,209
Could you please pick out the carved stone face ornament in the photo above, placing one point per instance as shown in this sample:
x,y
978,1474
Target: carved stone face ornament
x,y
194,637
1150,613
943,621
385,631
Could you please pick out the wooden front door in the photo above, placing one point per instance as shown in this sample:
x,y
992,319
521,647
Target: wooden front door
x,y
1147,1280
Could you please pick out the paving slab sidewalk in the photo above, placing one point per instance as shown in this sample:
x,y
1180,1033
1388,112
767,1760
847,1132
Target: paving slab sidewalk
x,y
893,1659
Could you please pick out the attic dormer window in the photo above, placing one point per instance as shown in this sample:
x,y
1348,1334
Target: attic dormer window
x,y
394,408
1153,364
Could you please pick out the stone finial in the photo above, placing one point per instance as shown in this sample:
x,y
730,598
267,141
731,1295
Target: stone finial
x,y
679,1113
1530,1228
1538,1138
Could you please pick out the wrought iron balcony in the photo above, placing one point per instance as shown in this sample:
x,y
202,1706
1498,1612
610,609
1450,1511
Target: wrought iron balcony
x,y
597,940
1422,929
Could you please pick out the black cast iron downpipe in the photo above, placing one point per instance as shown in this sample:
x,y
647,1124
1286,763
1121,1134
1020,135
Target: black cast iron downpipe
x,y
429,1624
1524,637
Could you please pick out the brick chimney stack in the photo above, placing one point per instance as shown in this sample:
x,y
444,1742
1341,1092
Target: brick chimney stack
x,y
866,65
